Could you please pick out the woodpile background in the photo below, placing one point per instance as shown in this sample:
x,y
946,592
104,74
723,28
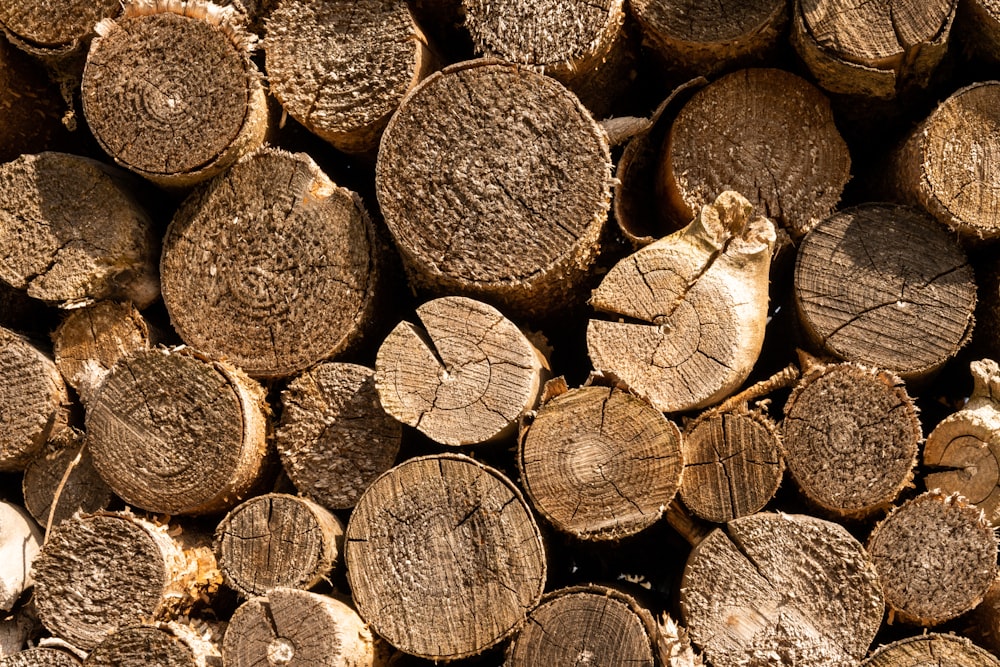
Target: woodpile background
x,y
371,332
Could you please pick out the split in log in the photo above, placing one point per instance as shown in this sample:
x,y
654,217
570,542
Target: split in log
x,y
886,286
41,657
101,572
341,68
20,541
65,475
443,557
174,434
163,645
74,233
271,266
600,464
334,438
936,557
691,309
29,103
934,649
277,540
495,183
172,96
764,133
467,377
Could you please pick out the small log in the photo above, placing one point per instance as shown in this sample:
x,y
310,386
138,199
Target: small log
x,y
444,557
467,377
850,437
600,464
873,49
63,474
162,644
277,540
296,628
342,68
20,542
74,233
764,133
157,107
495,183
41,657
174,434
886,286
101,572
781,589
936,557
931,649
691,309
29,103
334,438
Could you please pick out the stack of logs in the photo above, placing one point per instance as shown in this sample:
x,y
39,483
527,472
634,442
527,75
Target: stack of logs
x,y
523,332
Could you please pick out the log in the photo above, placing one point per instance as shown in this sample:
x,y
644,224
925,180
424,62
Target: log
x,y
156,108
277,540
850,436
781,589
174,434
931,649
54,31
64,475
170,644
466,377
20,542
764,133
74,232
15,629
886,286
334,438
29,102
101,572
271,266
691,309
977,25
495,183
936,557
443,557
342,68
41,657
985,619
600,464
872,49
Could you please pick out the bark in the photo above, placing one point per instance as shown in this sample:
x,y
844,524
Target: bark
x,y
41,657
64,475
931,649
163,644
20,541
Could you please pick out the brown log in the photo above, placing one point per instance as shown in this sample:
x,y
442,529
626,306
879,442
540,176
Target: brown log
x,y
63,474
495,183
20,541
977,24
29,103
172,433
41,657
334,438
600,463
169,644
54,31
271,266
886,286
443,557
931,649
985,619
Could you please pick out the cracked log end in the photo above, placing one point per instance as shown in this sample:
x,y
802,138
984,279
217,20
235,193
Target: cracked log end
x,y
83,489
931,649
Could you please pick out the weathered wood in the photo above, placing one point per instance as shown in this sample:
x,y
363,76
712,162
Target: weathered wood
x,y
495,183
985,619
334,438
936,557
73,232
934,649
41,657
29,103
101,572
172,433
54,31
20,542
691,309
764,133
443,557
63,473
781,589
271,266
599,463
341,67
886,286
466,377
162,644
155,104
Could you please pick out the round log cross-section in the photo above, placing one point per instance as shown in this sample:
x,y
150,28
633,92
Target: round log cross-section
x,y
41,657
163,645
53,29
931,650
67,470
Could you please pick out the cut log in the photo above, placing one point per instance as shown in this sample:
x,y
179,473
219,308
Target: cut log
x,y
850,437
101,572
33,400
54,31
874,49
170,93
29,103
936,557
985,619
20,541
74,233
781,589
600,464
334,438
271,266
886,286
465,378
174,434
764,133
934,649
63,474
277,540
443,557
495,183
163,644
341,67
41,657
691,309
296,628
